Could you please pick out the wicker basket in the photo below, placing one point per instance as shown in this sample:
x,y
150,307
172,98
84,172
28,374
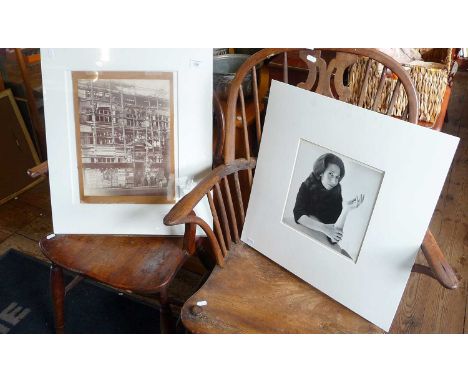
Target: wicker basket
x,y
430,80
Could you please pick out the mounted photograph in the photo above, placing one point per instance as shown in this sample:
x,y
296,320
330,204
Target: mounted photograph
x,y
341,197
125,136
331,198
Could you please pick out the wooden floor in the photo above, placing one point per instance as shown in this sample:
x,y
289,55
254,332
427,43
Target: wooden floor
x,y
26,219
425,308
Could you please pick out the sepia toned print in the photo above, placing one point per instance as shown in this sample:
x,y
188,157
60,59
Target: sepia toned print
x,y
125,136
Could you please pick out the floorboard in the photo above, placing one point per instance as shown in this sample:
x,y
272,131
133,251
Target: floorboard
x,y
426,307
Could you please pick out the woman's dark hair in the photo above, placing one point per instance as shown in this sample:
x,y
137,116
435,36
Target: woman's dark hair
x,y
314,199
322,163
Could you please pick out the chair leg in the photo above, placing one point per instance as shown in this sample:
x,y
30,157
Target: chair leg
x,y
58,297
165,315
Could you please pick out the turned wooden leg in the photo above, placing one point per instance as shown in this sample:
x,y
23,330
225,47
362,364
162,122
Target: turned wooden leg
x,y
165,315
58,296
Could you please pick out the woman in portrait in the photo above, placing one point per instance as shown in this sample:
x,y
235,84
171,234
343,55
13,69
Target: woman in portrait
x,y
319,204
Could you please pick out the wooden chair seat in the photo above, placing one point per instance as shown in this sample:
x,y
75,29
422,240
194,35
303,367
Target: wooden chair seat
x,y
278,301
134,263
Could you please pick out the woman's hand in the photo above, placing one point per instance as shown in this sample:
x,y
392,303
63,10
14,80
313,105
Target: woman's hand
x,y
354,203
335,234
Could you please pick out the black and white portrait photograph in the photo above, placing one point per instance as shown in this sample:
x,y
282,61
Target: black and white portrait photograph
x,y
331,198
125,136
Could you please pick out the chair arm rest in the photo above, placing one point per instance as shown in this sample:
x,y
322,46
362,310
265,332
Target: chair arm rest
x,y
182,209
40,169
441,269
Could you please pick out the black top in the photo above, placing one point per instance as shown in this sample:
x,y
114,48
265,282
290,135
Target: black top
x,y
314,199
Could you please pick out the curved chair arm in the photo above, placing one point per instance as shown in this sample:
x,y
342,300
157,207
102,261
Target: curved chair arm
x,y
439,267
185,206
40,169
182,211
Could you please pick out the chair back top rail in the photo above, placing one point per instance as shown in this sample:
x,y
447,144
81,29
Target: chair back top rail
x,y
329,74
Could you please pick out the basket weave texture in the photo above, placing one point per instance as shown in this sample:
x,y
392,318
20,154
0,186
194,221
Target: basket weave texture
x,y
430,80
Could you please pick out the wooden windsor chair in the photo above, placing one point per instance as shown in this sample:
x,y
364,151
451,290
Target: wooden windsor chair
x,y
247,292
141,265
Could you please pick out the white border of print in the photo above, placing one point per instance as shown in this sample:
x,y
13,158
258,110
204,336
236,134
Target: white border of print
x,y
415,161
192,70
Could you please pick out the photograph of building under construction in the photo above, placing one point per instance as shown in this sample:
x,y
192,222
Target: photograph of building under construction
x,y
125,136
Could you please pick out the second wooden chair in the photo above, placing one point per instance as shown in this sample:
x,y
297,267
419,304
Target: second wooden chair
x,y
247,292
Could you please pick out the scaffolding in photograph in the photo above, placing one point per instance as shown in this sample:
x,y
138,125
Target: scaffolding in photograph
x,y
125,132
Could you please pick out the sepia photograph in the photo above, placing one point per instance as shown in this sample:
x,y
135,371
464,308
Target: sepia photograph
x,y
331,198
125,136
